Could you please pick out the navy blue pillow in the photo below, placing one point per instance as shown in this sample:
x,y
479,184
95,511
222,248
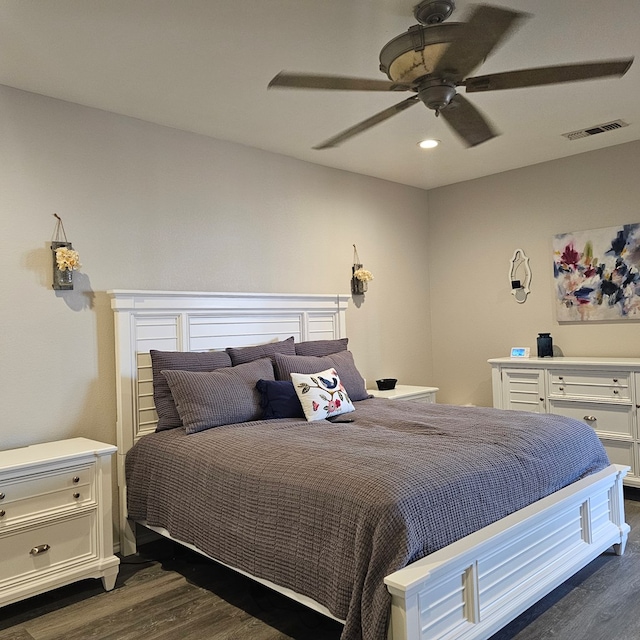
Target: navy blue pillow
x,y
278,399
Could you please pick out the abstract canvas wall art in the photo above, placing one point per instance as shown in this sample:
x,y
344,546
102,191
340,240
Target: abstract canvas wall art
x,y
597,274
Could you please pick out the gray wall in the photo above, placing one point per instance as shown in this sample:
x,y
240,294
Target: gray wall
x,y
476,226
149,207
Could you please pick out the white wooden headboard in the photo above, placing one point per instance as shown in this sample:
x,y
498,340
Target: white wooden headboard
x,y
200,321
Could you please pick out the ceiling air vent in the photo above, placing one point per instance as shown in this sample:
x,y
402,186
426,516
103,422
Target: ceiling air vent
x,y
598,128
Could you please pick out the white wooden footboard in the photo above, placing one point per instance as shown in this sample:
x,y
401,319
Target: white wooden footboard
x,y
474,587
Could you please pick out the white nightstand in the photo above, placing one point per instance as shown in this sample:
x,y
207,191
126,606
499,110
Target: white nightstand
x,y
56,525
407,392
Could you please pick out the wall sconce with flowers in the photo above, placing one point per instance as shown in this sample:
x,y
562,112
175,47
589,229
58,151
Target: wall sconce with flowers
x,y
65,259
359,276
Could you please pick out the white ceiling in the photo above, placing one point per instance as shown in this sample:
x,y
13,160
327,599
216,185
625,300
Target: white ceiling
x,y
204,66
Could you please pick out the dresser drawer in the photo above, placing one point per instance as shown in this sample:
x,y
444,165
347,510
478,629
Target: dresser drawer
x,y
606,419
613,385
623,453
63,542
32,496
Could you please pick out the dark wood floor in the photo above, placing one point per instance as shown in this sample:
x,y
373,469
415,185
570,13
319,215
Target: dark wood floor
x,y
169,593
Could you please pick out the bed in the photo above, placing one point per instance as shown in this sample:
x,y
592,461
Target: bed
x,y
381,570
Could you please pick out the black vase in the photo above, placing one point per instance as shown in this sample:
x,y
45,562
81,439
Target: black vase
x,y
545,345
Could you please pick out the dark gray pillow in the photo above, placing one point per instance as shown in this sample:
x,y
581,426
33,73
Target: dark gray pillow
x,y
342,361
168,417
207,399
242,355
321,347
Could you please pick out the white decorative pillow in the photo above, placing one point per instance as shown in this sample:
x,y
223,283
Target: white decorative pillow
x,y
321,395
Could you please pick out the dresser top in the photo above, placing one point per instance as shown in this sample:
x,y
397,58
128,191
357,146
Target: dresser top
x,y
564,361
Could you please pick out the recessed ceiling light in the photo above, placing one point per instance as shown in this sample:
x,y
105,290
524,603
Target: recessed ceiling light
x,y
428,144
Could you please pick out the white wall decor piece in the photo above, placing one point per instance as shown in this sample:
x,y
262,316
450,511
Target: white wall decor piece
x,y
520,276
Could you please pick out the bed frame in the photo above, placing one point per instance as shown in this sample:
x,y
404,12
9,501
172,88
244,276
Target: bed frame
x,y
468,590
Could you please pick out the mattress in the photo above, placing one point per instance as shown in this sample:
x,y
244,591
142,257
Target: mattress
x,y
329,509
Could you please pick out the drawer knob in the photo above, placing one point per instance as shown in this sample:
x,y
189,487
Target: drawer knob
x,y
560,378
2,513
76,479
1,495
615,379
590,418
41,548
561,388
615,391
76,495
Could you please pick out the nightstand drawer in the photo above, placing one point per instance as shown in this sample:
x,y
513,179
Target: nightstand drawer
x,y
32,496
606,419
26,553
613,385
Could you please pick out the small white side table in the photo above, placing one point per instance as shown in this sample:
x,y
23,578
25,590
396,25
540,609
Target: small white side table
x,y
56,525
407,392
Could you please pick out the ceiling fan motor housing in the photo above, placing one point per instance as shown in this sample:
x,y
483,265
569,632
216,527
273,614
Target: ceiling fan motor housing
x,y
436,94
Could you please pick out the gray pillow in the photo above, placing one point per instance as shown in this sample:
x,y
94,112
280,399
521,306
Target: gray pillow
x,y
207,399
168,417
342,361
321,347
242,355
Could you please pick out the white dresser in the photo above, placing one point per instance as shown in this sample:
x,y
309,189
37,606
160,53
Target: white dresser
x,y
603,392
407,392
56,523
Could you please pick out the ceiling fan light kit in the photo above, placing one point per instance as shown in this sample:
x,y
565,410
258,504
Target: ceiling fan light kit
x,y
432,59
417,52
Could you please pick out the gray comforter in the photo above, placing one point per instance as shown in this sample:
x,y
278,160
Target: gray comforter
x,y
328,510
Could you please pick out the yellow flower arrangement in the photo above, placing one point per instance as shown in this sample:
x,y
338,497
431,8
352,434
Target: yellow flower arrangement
x,y
67,258
363,275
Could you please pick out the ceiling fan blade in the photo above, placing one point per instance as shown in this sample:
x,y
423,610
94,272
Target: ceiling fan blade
x,y
547,75
483,32
341,83
467,121
368,123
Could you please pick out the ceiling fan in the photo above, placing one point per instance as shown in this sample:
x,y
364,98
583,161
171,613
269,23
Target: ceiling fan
x,y
433,58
